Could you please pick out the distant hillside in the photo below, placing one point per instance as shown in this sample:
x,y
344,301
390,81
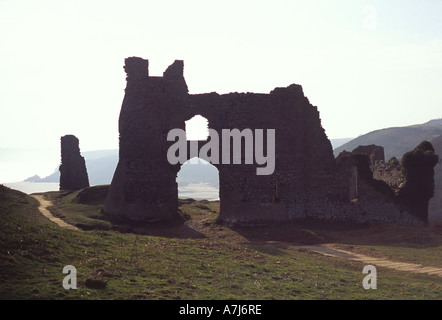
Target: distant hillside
x,y
339,142
396,140
100,166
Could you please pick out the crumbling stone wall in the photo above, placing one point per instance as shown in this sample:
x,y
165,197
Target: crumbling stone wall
x,y
374,183
370,200
307,181
375,154
390,172
73,173
144,185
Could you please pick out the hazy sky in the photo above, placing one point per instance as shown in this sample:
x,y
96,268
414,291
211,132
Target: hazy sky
x,y
366,65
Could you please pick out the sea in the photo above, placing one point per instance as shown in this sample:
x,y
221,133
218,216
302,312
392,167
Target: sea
x,y
197,191
33,187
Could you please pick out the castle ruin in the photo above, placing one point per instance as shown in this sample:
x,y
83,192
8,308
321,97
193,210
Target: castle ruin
x,y
307,181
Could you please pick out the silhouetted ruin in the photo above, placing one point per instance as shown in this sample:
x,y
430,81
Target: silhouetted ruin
x,y
73,173
410,184
307,181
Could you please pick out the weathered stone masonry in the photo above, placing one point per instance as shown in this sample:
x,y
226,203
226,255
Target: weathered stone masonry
x,y
304,183
73,173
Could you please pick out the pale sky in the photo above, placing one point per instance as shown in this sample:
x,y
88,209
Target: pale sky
x,y
366,64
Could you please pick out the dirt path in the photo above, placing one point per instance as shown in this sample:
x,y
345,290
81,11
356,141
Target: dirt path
x,y
381,262
43,209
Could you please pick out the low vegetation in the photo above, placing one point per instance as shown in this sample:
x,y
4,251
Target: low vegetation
x,y
198,259
418,166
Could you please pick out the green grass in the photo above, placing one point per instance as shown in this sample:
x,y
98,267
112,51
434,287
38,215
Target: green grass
x,y
81,208
199,259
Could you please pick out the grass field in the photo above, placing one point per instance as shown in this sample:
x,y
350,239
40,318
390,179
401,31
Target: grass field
x,y
199,259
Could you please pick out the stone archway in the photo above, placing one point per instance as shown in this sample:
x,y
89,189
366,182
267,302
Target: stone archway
x,y
196,169
144,184
199,180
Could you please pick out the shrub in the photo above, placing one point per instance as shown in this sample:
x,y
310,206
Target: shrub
x,y
418,167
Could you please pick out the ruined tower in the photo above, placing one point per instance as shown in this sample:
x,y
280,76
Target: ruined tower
x,y
73,173
144,185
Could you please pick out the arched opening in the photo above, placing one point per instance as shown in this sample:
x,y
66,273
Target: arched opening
x,y
199,180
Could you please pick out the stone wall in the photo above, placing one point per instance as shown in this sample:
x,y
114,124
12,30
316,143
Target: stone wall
x,y
73,173
391,173
370,200
307,181
144,185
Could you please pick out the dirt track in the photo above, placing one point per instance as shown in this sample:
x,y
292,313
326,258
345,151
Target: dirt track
x,y
43,209
381,262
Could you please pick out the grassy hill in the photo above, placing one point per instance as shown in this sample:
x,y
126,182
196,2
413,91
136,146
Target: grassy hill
x,y
199,258
397,140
